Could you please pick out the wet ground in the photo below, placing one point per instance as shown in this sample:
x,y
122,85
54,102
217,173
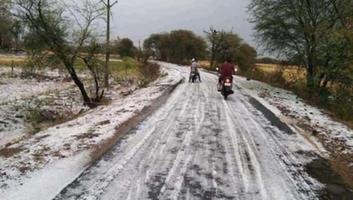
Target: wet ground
x,y
335,187
199,146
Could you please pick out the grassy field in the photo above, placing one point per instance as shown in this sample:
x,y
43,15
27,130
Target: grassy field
x,y
289,73
9,60
18,61
12,60
126,70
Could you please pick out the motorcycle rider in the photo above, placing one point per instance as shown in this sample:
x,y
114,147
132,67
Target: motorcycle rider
x,y
194,69
227,70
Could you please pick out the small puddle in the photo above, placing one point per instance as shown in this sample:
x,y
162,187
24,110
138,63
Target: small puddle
x,y
336,188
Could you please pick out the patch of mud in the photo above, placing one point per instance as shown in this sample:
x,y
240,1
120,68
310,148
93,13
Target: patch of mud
x,y
335,186
8,152
89,135
341,159
275,121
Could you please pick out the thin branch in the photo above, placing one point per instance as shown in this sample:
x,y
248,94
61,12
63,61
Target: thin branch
x,y
106,5
114,3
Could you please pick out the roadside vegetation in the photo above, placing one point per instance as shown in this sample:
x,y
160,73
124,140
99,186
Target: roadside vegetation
x,y
337,100
316,38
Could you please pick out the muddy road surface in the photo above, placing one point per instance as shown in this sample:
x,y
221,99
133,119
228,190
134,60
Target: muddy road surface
x,y
199,146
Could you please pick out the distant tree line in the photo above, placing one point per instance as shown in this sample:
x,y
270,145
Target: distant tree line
x,y
270,60
180,46
123,47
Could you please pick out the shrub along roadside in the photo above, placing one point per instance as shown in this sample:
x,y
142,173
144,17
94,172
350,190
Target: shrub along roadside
x,y
336,100
130,71
125,69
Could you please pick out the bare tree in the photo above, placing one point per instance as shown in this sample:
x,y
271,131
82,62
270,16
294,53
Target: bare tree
x,y
108,5
212,37
48,20
94,67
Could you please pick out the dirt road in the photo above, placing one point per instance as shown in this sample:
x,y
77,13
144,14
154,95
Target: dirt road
x,y
199,146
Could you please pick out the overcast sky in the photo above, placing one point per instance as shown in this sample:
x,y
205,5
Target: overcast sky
x,y
137,19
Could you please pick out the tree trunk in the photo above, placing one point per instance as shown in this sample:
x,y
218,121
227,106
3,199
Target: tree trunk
x,y
310,75
80,85
212,55
212,60
310,68
1,41
70,68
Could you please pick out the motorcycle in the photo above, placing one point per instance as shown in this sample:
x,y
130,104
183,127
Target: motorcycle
x,y
226,87
193,77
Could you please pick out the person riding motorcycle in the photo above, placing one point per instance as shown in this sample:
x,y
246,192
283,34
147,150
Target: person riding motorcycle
x,y
227,70
194,69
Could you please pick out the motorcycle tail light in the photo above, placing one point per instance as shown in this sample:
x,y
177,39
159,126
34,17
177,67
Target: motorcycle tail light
x,y
227,81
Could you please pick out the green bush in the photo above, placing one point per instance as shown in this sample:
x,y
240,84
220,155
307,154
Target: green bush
x,y
130,71
35,117
343,104
149,72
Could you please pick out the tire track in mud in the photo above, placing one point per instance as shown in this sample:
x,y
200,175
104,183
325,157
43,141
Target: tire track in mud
x,y
198,146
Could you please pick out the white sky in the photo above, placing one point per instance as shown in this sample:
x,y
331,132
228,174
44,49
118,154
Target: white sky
x,y
137,19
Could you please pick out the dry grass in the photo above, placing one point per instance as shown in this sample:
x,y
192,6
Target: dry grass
x,y
15,60
290,73
342,164
9,60
205,64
